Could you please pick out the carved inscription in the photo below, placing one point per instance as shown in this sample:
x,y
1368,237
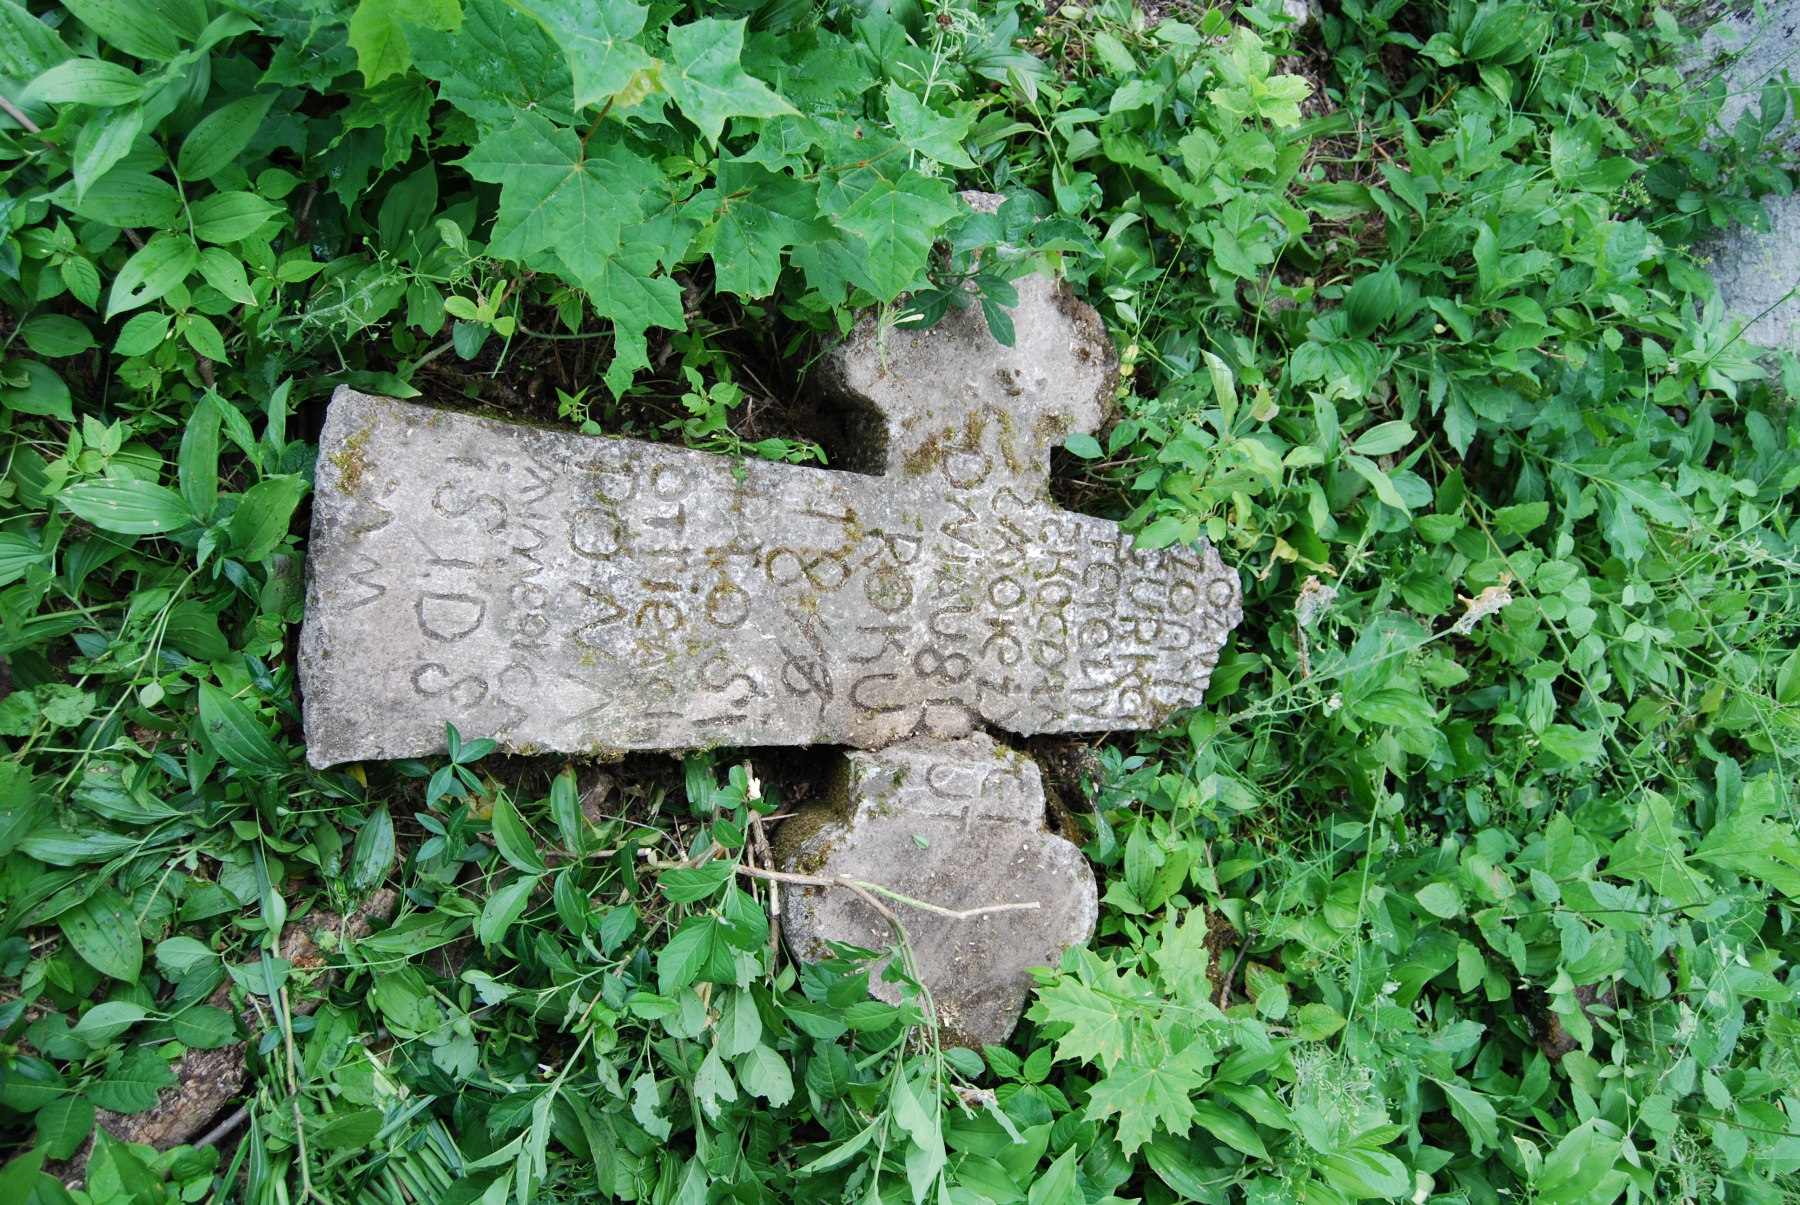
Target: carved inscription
x,y
567,592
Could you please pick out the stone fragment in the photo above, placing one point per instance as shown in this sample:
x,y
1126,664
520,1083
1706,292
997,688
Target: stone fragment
x,y
959,824
589,594
1758,273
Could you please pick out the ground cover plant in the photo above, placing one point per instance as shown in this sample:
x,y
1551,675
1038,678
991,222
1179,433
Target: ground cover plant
x,y
1473,881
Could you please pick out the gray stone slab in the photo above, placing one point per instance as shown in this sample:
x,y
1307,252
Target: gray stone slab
x,y
959,824
1756,272
588,594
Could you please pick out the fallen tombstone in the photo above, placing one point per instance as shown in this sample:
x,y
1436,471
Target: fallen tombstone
x,y
581,594
958,821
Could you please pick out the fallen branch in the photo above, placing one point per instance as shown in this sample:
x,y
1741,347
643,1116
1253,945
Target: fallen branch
x,y
861,888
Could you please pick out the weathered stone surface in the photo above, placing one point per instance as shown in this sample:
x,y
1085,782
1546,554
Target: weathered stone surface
x,y
1758,273
959,824
558,591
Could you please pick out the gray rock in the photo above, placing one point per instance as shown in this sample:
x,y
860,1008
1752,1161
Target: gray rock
x,y
959,824
1758,273
588,594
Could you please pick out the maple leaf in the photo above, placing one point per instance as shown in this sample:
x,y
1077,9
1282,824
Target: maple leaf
x,y
556,195
378,34
896,223
931,134
1099,1028
710,84
596,36
1146,1096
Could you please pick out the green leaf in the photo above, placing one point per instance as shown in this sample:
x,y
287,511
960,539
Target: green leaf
x,y
596,36
204,1027
739,1026
221,137
104,1022
132,1086
1230,1127
1369,471
895,225
1787,680
265,512
1366,1173
17,556
103,930
224,272
685,886
499,63
139,29
93,82
1316,1022
197,466
105,139
1572,745
202,334
687,953
44,391
226,217
373,852
504,908
163,263
1097,1026
571,902
1383,439
1526,516
130,198
516,843
1475,1113
934,136
565,809
557,196
1145,1097
55,335
1393,705
126,506
62,1126
708,81
378,33
349,1131
1440,899
765,1073
234,732
1084,445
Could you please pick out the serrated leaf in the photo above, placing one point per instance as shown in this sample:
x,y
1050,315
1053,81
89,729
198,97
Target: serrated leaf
x,y
556,195
1146,1097
1440,899
709,82
62,1126
1097,1026
596,36
894,226
378,33
930,134
204,1027
133,1086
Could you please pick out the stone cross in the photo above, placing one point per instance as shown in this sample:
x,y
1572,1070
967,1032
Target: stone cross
x,y
586,594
